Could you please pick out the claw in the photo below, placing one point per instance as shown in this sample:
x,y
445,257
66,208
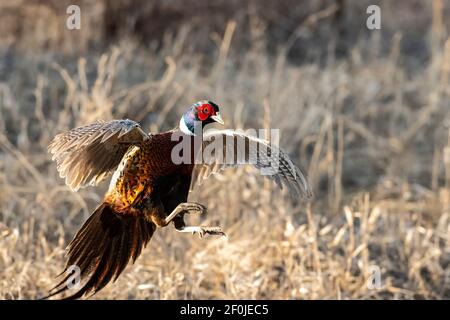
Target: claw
x,y
202,231
214,231
195,207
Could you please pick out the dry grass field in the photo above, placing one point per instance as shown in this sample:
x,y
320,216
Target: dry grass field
x,y
369,123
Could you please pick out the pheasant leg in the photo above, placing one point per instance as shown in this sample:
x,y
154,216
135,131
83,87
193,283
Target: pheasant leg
x,y
187,207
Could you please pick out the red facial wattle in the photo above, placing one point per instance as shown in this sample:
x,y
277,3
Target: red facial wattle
x,y
204,112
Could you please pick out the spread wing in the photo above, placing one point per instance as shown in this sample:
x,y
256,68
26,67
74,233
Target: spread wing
x,y
228,148
87,155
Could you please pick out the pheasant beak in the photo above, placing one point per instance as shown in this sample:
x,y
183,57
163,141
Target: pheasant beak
x,y
217,118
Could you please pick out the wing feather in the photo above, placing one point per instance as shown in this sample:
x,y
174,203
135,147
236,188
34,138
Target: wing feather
x,y
240,148
87,155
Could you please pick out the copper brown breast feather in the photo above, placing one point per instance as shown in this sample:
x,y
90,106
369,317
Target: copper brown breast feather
x,y
147,190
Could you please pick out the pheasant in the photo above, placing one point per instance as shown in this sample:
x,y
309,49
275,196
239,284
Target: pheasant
x,y
148,189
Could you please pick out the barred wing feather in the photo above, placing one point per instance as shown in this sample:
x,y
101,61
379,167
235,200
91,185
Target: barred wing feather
x,y
223,149
87,155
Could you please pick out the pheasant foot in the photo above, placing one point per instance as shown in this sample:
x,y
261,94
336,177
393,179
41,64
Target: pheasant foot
x,y
202,231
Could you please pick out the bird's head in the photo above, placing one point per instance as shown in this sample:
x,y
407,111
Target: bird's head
x,y
200,113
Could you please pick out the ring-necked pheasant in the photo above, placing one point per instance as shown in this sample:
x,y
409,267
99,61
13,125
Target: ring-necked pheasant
x,y
148,189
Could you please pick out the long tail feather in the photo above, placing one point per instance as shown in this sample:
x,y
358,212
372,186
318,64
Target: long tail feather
x,y
102,248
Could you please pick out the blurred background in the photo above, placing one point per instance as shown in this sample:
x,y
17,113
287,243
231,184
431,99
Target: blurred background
x,y
366,114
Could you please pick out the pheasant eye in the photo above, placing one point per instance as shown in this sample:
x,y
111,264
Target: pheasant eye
x,y
205,110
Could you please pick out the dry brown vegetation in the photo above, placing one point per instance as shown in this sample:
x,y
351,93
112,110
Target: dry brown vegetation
x,y
371,127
